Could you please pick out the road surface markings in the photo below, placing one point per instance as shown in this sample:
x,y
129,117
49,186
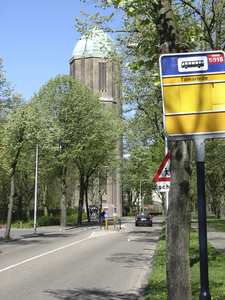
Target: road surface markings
x,y
96,234
57,249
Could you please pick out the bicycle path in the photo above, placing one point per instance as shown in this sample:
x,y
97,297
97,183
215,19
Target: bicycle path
x,y
215,237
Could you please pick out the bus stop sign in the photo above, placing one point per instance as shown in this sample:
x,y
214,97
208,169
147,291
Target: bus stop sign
x,y
193,90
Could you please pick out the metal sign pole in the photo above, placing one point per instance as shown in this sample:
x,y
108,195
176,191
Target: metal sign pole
x,y
35,192
200,161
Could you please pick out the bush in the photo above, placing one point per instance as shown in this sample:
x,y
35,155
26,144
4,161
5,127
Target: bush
x,y
48,221
72,211
29,224
71,218
74,217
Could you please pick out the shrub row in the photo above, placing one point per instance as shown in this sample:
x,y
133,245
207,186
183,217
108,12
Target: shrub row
x,y
48,221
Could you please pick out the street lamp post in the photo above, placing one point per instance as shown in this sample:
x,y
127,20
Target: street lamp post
x,y
35,192
141,203
98,200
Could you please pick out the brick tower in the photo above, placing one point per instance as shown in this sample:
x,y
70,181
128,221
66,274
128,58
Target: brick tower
x,y
90,65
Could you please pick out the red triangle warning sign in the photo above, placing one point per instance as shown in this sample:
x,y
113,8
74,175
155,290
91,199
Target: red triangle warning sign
x,y
163,173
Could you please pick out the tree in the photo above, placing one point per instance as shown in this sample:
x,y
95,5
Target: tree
x,y
94,132
9,101
24,129
24,190
86,131
144,156
51,98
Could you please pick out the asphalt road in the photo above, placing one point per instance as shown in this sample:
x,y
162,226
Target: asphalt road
x,y
81,263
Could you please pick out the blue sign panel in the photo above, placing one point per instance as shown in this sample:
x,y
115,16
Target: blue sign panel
x,y
183,64
106,216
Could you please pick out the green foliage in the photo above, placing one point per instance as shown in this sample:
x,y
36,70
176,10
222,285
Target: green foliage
x,y
48,221
72,215
75,109
218,224
73,218
9,99
216,268
72,211
96,127
157,284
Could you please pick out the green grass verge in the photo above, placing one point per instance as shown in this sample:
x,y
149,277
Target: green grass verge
x,y
218,224
157,284
211,221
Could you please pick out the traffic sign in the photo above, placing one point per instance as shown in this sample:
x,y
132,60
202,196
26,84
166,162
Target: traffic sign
x,y
193,88
106,216
163,173
163,186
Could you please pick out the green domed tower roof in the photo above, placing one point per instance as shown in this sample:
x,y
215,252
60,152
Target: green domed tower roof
x,y
98,42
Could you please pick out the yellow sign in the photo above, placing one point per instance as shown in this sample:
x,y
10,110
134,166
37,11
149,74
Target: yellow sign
x,y
194,99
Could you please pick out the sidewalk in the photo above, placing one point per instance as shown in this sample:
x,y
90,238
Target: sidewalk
x,y
215,237
23,233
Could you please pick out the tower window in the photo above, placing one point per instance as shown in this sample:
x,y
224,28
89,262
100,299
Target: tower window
x,y
102,76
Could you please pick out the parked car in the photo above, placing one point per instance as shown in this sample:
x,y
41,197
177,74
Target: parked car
x,y
143,219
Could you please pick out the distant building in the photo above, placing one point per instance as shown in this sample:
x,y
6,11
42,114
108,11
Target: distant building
x,y
90,65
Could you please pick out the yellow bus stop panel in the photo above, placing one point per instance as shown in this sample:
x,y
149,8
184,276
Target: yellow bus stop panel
x,y
172,99
218,94
194,123
194,97
187,98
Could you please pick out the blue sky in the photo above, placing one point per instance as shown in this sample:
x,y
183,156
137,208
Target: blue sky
x,y
37,40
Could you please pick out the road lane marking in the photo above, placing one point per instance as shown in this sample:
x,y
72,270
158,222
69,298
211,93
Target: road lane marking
x,y
55,250
95,234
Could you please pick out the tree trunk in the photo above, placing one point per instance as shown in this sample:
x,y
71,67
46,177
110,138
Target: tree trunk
x,y
11,195
63,202
11,198
178,224
86,200
81,199
167,28
178,219
62,176
44,194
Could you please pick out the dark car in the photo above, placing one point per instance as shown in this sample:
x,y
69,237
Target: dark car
x,y
143,219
